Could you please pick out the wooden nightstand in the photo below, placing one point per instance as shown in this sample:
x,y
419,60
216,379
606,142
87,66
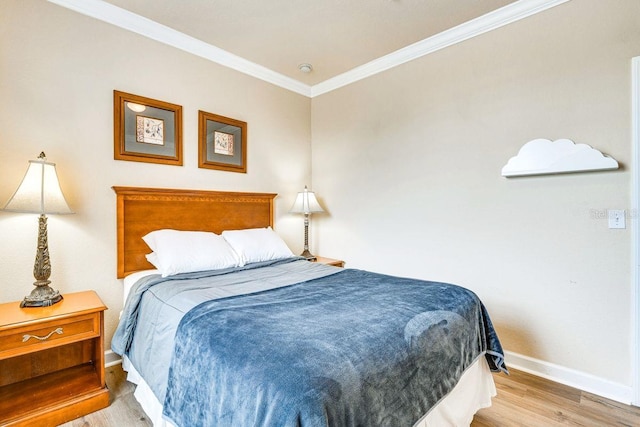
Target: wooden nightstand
x,y
329,261
52,361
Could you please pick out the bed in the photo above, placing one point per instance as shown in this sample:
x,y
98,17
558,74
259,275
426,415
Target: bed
x,y
276,340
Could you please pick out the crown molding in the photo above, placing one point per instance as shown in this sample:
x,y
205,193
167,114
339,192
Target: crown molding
x,y
485,23
122,18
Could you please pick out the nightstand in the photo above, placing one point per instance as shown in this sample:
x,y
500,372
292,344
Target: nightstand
x,y
329,261
52,361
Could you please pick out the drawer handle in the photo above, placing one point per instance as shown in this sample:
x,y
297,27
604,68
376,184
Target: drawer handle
x,y
26,337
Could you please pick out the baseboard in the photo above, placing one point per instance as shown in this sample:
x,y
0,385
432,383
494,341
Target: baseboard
x,y
571,377
111,358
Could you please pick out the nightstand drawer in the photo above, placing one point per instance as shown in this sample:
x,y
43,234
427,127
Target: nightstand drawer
x,y
43,335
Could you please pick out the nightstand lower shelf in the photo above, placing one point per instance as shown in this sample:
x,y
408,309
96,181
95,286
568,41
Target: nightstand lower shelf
x,y
67,394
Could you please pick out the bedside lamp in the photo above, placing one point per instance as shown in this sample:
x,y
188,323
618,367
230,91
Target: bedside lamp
x,y
306,204
39,192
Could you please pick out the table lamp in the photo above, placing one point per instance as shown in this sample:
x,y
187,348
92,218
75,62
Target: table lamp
x,y
306,203
39,192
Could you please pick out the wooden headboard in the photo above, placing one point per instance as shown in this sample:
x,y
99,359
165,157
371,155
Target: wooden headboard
x,y
142,210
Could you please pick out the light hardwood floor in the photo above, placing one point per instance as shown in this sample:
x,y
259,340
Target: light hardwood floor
x,y
522,400
527,400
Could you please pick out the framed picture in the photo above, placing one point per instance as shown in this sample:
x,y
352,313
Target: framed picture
x,y
222,143
146,130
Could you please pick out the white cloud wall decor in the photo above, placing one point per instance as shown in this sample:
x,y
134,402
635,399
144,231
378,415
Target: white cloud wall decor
x,y
543,156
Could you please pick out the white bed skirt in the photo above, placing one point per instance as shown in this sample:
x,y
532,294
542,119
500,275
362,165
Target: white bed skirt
x,y
472,393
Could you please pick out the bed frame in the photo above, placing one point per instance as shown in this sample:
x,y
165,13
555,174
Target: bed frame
x,y
142,210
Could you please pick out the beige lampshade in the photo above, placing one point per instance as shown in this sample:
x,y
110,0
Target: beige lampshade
x,y
39,191
306,203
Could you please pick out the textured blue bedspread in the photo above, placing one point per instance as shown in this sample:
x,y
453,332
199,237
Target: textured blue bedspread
x,y
352,349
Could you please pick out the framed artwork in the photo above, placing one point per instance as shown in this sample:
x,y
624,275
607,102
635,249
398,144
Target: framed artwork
x,y
222,143
146,130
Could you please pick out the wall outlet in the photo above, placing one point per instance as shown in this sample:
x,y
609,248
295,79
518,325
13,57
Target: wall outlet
x,y
617,218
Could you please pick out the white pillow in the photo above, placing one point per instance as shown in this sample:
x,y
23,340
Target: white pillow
x,y
177,252
257,244
153,259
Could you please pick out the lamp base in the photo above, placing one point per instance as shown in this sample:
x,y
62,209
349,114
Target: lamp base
x,y
308,255
41,296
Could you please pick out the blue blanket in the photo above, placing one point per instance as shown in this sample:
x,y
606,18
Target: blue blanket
x,y
352,349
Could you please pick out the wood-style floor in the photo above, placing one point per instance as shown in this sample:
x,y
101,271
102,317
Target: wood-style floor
x,y
522,400
527,400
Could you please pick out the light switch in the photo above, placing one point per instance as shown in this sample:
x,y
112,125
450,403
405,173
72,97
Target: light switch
x,y
617,218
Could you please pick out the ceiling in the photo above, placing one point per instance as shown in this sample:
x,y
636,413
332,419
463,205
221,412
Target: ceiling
x,y
332,35
270,38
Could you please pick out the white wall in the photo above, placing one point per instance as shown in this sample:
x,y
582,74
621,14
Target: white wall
x,y
58,70
408,164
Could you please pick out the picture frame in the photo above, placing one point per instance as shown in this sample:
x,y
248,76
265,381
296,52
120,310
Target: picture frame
x,y
222,143
146,130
